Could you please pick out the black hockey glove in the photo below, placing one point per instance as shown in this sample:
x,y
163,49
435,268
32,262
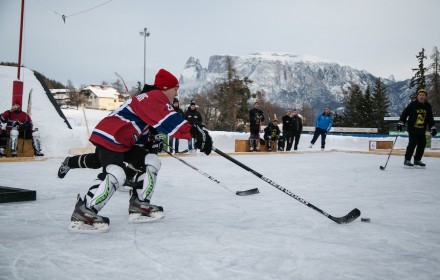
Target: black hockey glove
x,y
15,124
400,126
433,131
203,140
155,144
25,126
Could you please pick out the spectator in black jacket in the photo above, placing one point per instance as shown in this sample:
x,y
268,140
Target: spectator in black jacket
x,y
287,131
193,117
297,128
271,133
420,117
176,108
256,117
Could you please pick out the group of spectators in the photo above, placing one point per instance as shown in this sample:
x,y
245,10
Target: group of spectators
x,y
418,115
292,127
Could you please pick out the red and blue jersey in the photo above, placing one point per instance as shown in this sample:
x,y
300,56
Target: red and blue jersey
x,y
15,119
120,130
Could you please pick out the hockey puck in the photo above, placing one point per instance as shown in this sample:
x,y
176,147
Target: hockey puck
x,y
365,220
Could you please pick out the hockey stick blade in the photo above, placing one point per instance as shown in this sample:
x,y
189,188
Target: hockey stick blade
x,y
248,192
391,151
240,193
350,217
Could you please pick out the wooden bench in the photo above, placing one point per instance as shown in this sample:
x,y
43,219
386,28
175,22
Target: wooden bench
x,y
244,146
379,145
274,146
28,150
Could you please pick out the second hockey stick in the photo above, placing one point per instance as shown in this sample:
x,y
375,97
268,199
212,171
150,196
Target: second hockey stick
x,y
240,193
353,215
383,167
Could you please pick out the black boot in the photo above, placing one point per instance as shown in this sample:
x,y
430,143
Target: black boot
x,y
419,163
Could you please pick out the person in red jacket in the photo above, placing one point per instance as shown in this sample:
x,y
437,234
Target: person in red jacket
x,y
115,137
18,124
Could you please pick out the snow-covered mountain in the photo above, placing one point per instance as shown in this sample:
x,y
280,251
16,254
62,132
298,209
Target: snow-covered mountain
x,y
290,80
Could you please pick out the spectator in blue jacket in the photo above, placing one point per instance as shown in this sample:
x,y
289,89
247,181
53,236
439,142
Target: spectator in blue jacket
x,y
323,124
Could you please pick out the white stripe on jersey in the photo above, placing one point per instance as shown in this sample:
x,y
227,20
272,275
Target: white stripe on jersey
x,y
111,137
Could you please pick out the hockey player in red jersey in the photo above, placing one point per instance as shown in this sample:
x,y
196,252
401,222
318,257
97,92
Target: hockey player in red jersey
x,y
18,124
115,137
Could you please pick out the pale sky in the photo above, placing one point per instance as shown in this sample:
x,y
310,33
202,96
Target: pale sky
x,y
379,36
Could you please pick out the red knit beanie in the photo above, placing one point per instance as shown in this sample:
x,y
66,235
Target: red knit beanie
x,y
165,80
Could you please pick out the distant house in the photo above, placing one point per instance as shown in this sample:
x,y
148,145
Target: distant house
x,y
102,97
61,96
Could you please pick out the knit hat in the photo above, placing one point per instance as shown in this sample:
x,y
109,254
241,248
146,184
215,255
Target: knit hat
x,y
165,80
193,102
175,100
422,90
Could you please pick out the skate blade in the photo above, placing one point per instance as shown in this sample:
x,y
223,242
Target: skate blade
x,y
81,227
137,218
408,167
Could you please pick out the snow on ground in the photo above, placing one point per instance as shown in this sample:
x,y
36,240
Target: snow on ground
x,y
210,233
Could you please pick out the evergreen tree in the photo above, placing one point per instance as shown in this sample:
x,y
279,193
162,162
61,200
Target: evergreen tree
x,y
418,80
380,106
338,119
232,99
367,114
354,108
434,88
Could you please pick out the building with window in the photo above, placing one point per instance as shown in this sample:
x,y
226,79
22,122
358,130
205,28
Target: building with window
x,y
102,97
61,96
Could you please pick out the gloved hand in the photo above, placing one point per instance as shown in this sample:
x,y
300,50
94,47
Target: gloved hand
x,y
433,131
400,126
15,124
203,140
155,144
25,126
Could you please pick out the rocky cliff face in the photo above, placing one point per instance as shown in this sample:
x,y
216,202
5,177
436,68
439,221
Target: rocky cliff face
x,y
290,80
